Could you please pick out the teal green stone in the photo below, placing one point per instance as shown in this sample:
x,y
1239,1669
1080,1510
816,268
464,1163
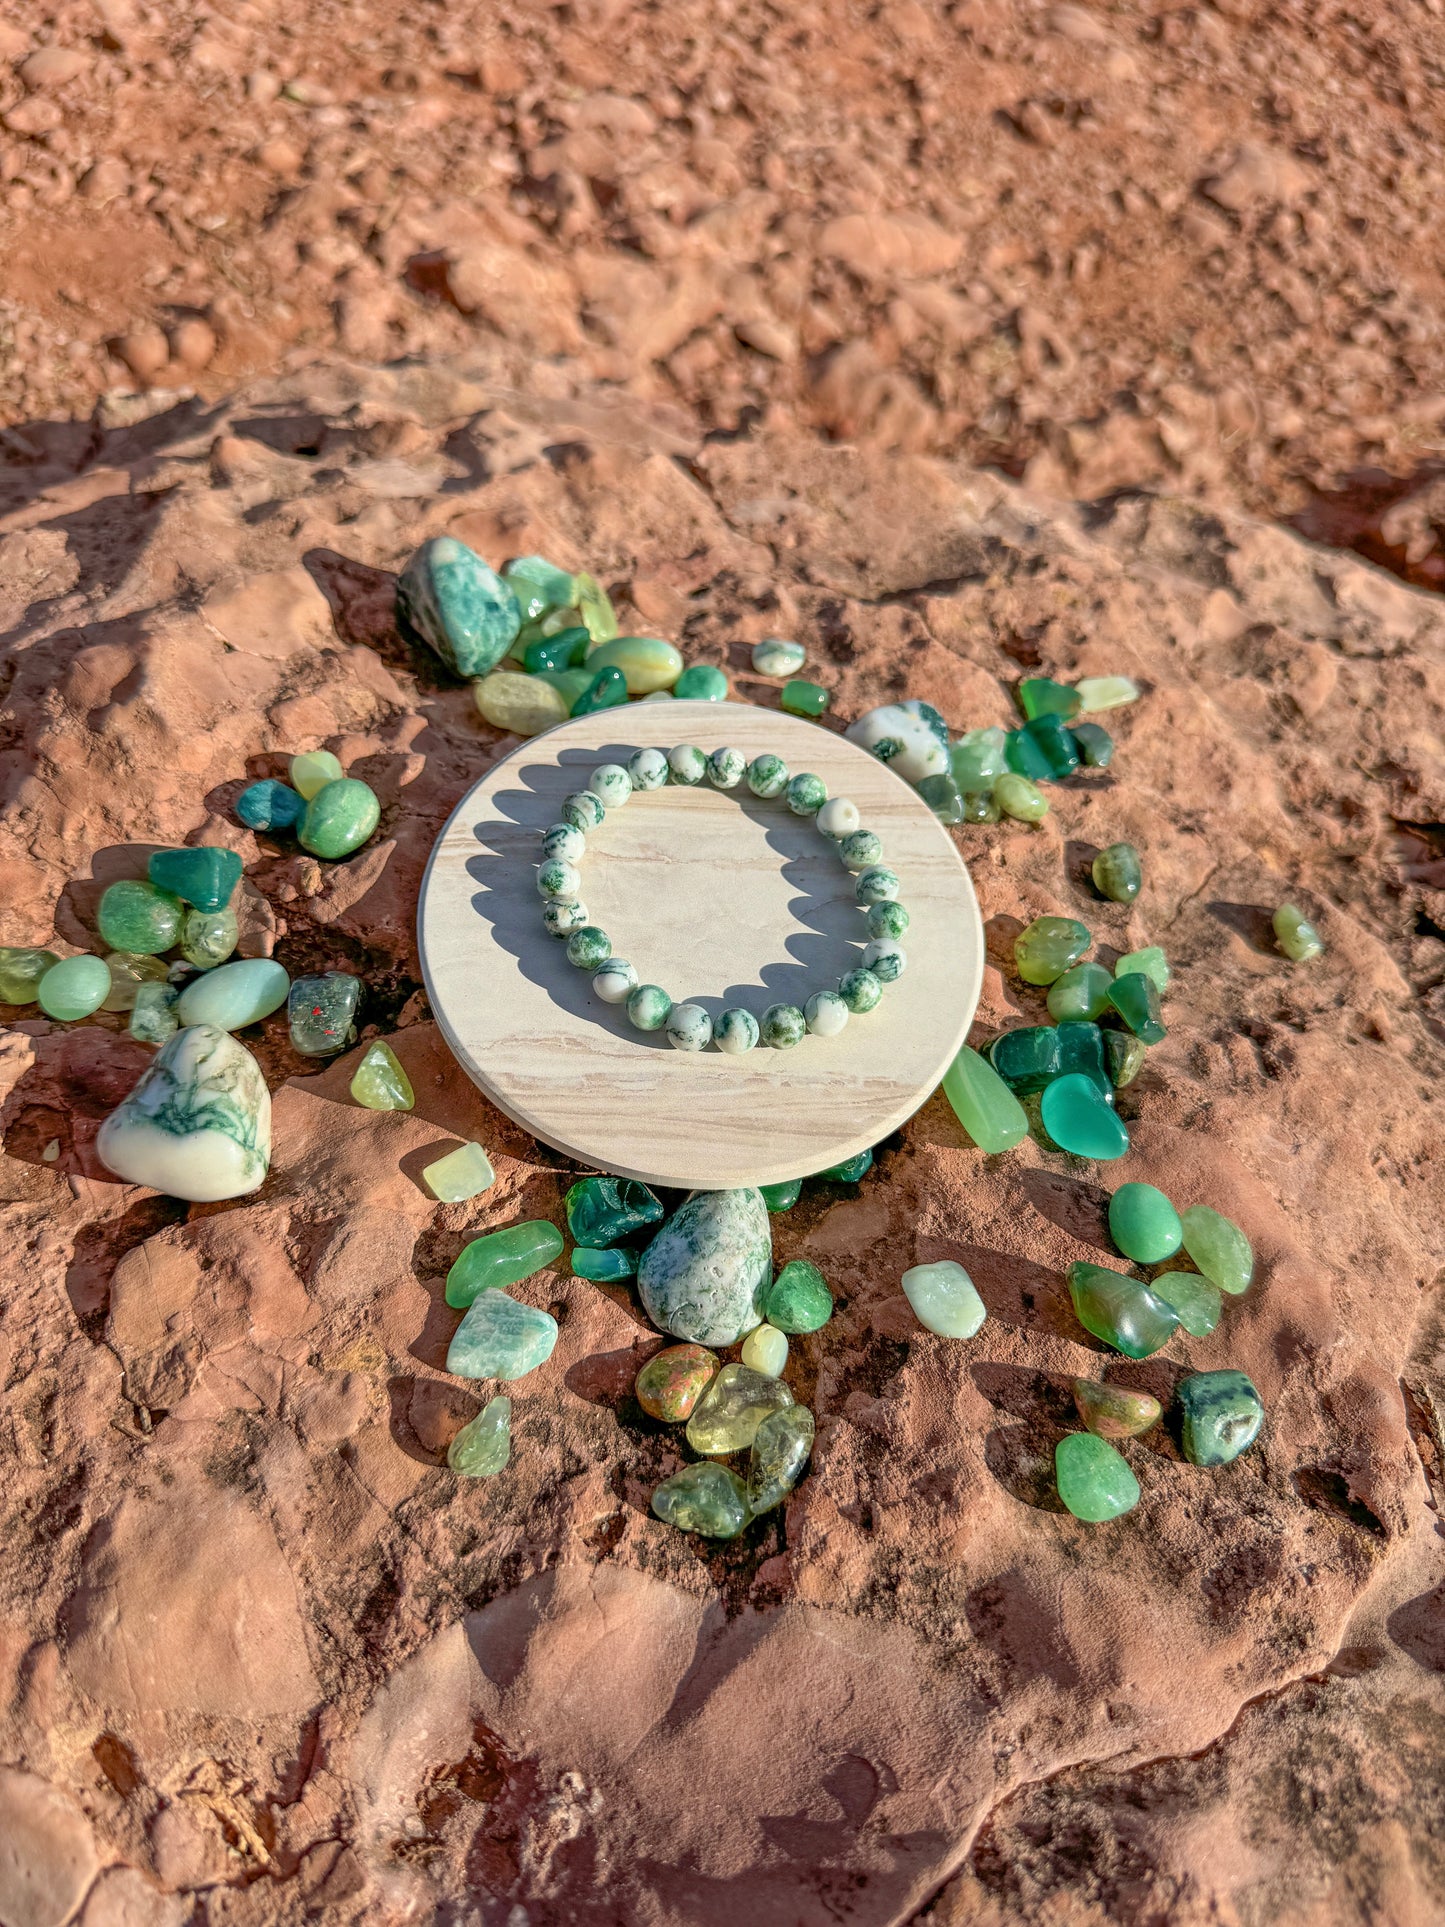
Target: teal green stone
x,y
705,1498
1193,1300
589,948
703,682
140,918
943,797
978,759
798,1299
1081,1120
607,690
1026,757
803,698
982,807
1222,1414
499,1338
75,987
1124,1054
1055,743
1094,744
1042,696
483,1446
1123,1311
782,1197
205,877
983,1104
1081,1049
1136,998
21,968
860,991
783,1026
778,1455
321,1012
1095,1479
153,1016
1296,935
1117,873
458,606
208,937
540,587
806,794
501,1258
1144,1224
850,1170
339,818
237,994
566,650
1026,1059
603,1267
1049,947
270,805
1149,962
886,920
604,1211
1081,993
1219,1248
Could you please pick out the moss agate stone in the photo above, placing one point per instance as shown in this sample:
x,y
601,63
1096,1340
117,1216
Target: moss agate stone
x,y
978,759
1081,1120
673,1380
1144,1224
686,765
886,919
563,916
612,1267
705,1276
702,683
707,1499
765,1350
983,1103
339,818
1081,993
945,1299
1221,1416
776,657
798,1299
735,1031
910,737
767,776
138,917
127,973
1295,935
1113,1411
782,1197
312,770
860,849
153,1017
726,768
806,794
876,884
603,1211
204,877
1048,947
461,1174
1136,998
236,994
197,1125
499,1338
502,1258
73,988
1117,873
861,991
270,805
1151,961
459,607
21,968
803,698
1219,1248
208,937
1095,1480
1020,797
778,1456
1194,1301
647,663
688,1027
648,1007
1027,1059
379,1083
589,948
484,1445
1122,1311
732,1408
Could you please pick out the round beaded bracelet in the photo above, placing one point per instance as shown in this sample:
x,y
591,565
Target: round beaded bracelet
x,y
649,1007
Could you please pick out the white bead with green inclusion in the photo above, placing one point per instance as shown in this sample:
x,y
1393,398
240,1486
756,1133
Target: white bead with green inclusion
x,y
687,764
783,1026
611,782
807,794
886,958
876,885
860,849
560,917
735,1031
647,769
887,919
839,818
615,981
564,840
860,991
767,776
589,948
826,1013
648,1007
689,1027
583,810
726,768
559,880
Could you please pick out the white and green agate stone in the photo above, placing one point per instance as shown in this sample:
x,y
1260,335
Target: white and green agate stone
x,y
705,1275
783,1026
826,1013
615,982
562,916
687,764
689,1027
458,606
197,1125
647,769
767,776
726,768
735,1031
611,783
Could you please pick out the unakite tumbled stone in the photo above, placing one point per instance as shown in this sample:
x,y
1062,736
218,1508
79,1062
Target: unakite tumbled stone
x,y
732,1408
526,705
850,1171
1095,745
153,1018
1027,1059
1295,935
1020,797
705,1275
312,770
1219,1248
236,994
803,698
127,973
339,818
765,1350
208,937
458,606
983,1104
1122,1311
1081,1049
501,1258
978,759
21,968
1136,998
483,1446
709,1499
1222,1414
1113,1411
197,1125
1049,947
943,797
607,690
798,1299
379,1082
1081,1120
1144,1224
1095,1480
1117,873
1098,693
604,1267
499,1338
703,682
461,1174
1042,696
1124,1054
565,650
1194,1301
673,1380
1082,992
604,1211
75,987
270,805
782,1197
205,877
321,1012
647,662
138,917
944,1299
778,1456
775,657
1150,961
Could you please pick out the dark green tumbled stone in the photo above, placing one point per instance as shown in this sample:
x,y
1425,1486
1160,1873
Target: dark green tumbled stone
x,y
607,690
1123,1311
566,650
1222,1414
603,1211
1126,1054
205,877
458,606
798,1299
701,682
782,1197
1026,757
1026,1059
603,1267
1095,1480
1094,744
850,1170
1193,1300
1081,1049
1136,998
1051,737
1042,696
943,797
1117,873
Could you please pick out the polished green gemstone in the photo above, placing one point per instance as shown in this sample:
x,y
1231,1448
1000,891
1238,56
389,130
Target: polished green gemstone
x,y
778,1456
1095,1480
321,1011
139,917
21,968
236,994
1295,935
589,948
979,806
595,607
603,1267
568,683
604,1211
450,598
943,797
648,1007
782,1197
983,1104
706,1498
204,877
339,818
1082,992
1026,756
782,1026
127,973
208,937
1117,874
313,769
849,1171
775,657
806,794
804,698
1125,1054
1106,692
1219,1248
501,1258
1020,797
379,1082
978,759
1026,1059
1122,1311
270,805
673,1380
566,650
607,690
1054,741
153,1018
733,1407
1081,1048
1080,1119
1222,1414
1113,1411
539,586
944,1299
1095,746
1042,696
1049,947
1193,1300
1149,962
1144,1224
647,662
886,920
798,1299
1136,998
499,1338
702,682
461,1174
75,987
860,991
484,1444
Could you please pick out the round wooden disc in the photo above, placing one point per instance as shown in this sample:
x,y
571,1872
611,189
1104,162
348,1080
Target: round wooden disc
x,y
722,899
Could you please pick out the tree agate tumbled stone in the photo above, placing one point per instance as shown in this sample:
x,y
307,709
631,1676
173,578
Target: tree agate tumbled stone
x,y
705,1275
910,737
776,657
1117,873
461,1174
673,1380
1222,1414
197,1125
610,1267
944,1299
1080,1119
483,1446
983,1104
153,1018
798,1299
1295,935
778,1456
1144,1224
604,1211
21,969
1095,1480
1049,947
501,1258
339,818
73,988
1136,998
708,1499
1219,1248
379,1082
458,606
321,1012
1122,1311
139,917
270,805
1113,1411
204,877
1193,1300
237,994
500,1338
732,1408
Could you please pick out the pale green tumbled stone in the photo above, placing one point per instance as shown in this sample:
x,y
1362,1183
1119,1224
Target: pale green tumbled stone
x,y
686,764
886,919
708,1499
484,1445
312,770
647,662
1150,962
806,795
978,759
877,884
379,1083
783,1026
778,1456
944,1299
197,1125
563,843
735,1031
236,994
139,918
1295,935
860,850
1218,1247
461,1174
767,775
1193,1300
688,1027
563,916
1021,798
825,1013
75,987
1095,1480
886,958
1117,873
1098,693
127,973
153,1018
21,968
208,937
501,1258
983,1104
500,1338
648,769
648,1007
798,1299
1082,993
611,784
775,657
860,991
765,1350
1049,947
339,818
732,1408
539,586
458,606
726,768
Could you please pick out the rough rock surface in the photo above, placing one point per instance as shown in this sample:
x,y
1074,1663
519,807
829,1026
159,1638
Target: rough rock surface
x,y
263,1660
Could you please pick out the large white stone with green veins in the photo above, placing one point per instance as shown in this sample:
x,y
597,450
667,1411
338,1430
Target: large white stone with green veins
x,y
197,1125
705,1274
911,738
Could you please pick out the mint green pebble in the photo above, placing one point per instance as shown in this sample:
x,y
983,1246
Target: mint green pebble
x,y
140,918
648,1007
612,1267
153,1019
1144,1224
807,795
1193,1300
1121,1310
944,1298
983,1104
208,937
860,991
735,1031
886,919
204,877
1082,992
1150,961
767,775
776,657
339,818
803,698
877,884
1048,947
589,948
584,810
798,1300
500,1338
1081,1120
501,1258
726,768
702,683
236,994
484,1445
861,850
1095,1480
686,765
75,987
783,1026
1219,1248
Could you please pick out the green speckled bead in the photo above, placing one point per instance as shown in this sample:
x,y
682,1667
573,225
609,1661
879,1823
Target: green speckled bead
x,y
1219,1248
607,690
603,1267
1042,696
1222,1414
689,1028
1136,998
647,769
484,1445
648,1007
726,768
458,606
886,958
887,919
943,797
1095,1479
1082,992
204,877
208,937
1049,947
783,1026
1021,798
702,683
339,818
501,1258
825,1013
735,1031
686,764
798,1299
615,982
565,842
1117,873
705,1498
767,775
861,851
1295,935
1144,1224
611,785
1081,1120
127,973
983,1104
584,810
647,662
1094,744
977,759
1125,1054
235,994
21,968
807,795
778,1457
588,948
561,916
75,987
803,698
312,770
500,1338
140,918
877,884
1122,1311
1150,961
379,1083
321,1012
153,1019
860,991
558,880
782,1197
1193,1300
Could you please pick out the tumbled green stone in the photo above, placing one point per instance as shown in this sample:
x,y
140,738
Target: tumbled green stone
x,y
1144,1224
803,698
236,994
607,690
1042,696
944,1299
767,775
320,1011
501,1258
208,937
1049,947
860,991
709,1499
21,968
380,1083
702,682
458,606
1149,962
1081,1048
886,919
647,662
649,1007
339,818
204,877
1117,874
483,1446
1113,1411
1080,1119
1295,935
312,770
983,1104
500,1338
806,794
776,657
566,650
1222,1414
1106,692
1026,1059
140,918
1219,1248
1026,757
461,1174
1122,1311
980,807
798,1299
943,797
732,1408
849,1171
778,1456
782,1197
568,683
603,1211
595,607
589,948
603,1267
1136,998
1082,992
1125,1054
1095,1480
1095,745
1056,744
127,973
270,805
978,759
1020,797
1194,1301
153,1018
539,586
75,987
